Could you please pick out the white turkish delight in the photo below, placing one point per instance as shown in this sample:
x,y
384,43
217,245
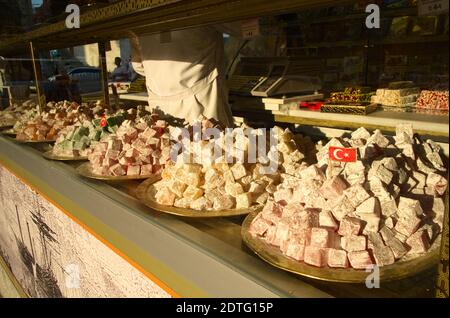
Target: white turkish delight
x,y
238,171
421,166
360,259
356,143
201,204
243,200
439,210
342,208
437,182
371,222
320,237
418,243
233,189
192,192
402,176
389,163
369,206
165,197
388,206
334,169
178,188
409,207
378,139
377,187
408,151
183,203
397,247
407,225
420,178
361,133
404,128
296,156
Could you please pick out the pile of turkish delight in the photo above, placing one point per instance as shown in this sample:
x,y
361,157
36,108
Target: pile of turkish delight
x,y
138,147
396,99
432,102
385,207
47,124
204,181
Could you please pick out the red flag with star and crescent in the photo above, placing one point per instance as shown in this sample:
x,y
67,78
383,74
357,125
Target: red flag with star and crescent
x,y
342,154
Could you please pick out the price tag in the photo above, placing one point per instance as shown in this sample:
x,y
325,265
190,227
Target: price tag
x,y
250,28
432,7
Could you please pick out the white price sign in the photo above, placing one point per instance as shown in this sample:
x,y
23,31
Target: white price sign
x,y
432,7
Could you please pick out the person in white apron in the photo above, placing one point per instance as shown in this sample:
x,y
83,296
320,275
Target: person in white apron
x,y
185,72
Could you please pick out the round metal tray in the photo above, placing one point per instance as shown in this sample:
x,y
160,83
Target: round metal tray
x,y
8,132
34,141
146,193
86,171
49,155
273,255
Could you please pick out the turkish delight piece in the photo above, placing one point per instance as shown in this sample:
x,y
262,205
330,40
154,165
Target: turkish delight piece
x,y
192,192
404,128
243,200
272,211
383,255
165,197
261,198
320,237
342,208
381,173
306,218
282,233
438,210
178,188
397,247
371,222
201,204
315,256
419,242
283,195
378,188
333,188
295,249
409,207
389,222
374,240
238,171
371,206
389,163
350,226
117,170
437,182
378,139
407,225
233,189
292,209
337,258
356,194
133,170
354,243
327,220
223,202
184,203
146,169
361,133
312,173
360,259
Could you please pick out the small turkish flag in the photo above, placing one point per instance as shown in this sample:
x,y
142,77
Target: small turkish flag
x,y
342,154
103,122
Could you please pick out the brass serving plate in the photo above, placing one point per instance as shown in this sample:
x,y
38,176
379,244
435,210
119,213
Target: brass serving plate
x,y
49,155
5,126
146,193
272,255
86,171
8,132
34,141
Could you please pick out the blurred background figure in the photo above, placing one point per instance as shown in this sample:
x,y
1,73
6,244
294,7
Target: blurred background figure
x,y
121,72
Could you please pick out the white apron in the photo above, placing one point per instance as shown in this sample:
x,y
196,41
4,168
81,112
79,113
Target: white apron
x,y
184,73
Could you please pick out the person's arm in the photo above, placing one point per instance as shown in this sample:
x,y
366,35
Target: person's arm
x,y
136,54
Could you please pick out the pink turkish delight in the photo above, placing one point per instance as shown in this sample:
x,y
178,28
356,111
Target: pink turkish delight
x,y
333,188
350,226
320,237
315,256
259,226
327,220
354,243
360,259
